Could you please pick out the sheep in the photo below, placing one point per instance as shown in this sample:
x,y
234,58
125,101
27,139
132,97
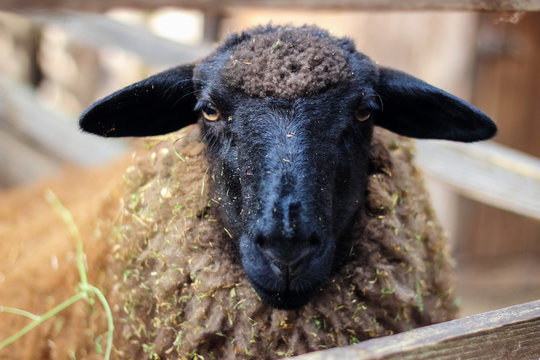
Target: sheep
x,y
285,221
280,147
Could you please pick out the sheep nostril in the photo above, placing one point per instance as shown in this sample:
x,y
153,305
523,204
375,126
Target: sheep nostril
x,y
260,241
314,241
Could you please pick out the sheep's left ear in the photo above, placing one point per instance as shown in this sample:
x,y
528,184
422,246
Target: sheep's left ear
x,y
157,105
414,108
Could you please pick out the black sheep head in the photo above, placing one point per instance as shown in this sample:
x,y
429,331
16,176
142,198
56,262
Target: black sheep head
x,y
287,114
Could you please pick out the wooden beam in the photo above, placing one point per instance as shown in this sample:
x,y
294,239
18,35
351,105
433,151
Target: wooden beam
x,y
55,134
487,172
102,5
510,333
98,31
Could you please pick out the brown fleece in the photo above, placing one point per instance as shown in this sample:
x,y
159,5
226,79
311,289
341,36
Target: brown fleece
x,y
286,63
180,291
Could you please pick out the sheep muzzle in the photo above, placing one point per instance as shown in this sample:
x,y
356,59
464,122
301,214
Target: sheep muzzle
x,y
287,273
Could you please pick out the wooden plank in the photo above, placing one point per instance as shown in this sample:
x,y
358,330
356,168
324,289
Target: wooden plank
x,y
99,31
101,5
487,172
54,133
510,333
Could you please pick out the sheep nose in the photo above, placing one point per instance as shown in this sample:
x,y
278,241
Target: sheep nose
x,y
287,262
290,266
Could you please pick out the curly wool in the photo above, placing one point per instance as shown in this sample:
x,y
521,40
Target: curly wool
x,y
286,62
180,291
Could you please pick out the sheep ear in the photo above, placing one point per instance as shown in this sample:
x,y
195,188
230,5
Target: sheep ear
x,y
157,105
414,108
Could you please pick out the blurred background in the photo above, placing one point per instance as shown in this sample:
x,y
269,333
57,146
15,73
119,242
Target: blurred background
x,y
55,62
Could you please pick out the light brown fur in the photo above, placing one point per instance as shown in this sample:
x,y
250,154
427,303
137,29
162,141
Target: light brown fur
x,y
33,239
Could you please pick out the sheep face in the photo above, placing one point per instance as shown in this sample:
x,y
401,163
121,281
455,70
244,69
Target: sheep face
x,y
287,114
288,176
288,160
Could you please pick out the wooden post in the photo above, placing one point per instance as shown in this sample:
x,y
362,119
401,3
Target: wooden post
x,y
212,26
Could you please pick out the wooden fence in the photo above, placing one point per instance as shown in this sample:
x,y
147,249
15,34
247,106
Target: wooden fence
x,y
510,333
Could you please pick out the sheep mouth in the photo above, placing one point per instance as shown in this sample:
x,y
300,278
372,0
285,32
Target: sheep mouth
x,y
287,282
286,293
285,298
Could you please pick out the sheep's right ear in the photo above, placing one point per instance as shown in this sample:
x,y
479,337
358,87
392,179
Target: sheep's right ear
x,y
160,104
414,108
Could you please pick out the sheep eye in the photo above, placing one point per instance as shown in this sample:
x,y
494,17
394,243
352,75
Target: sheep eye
x,y
210,112
362,114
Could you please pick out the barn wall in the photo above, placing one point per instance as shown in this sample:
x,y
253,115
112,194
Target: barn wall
x,y
507,86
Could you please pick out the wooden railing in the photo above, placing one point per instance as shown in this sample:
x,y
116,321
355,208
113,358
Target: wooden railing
x,y
505,334
486,172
